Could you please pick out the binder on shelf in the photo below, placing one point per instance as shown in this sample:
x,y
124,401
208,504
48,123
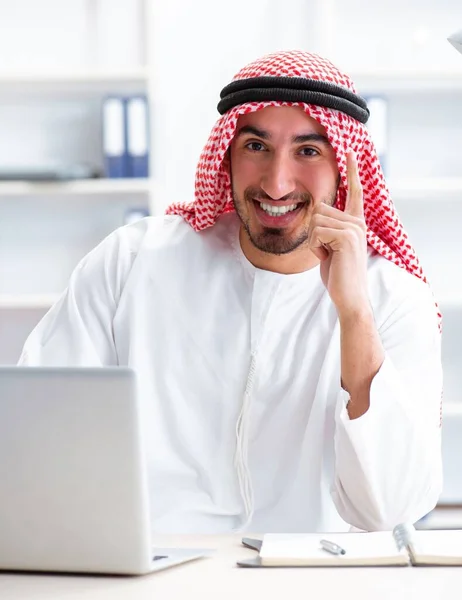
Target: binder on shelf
x,y
115,137
378,126
137,116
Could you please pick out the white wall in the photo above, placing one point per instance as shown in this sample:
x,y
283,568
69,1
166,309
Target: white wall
x,y
44,34
74,34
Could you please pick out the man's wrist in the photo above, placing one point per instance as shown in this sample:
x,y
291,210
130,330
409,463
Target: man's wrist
x,y
360,312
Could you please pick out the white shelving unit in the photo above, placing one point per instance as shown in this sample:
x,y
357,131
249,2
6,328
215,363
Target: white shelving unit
x,y
46,227
75,81
408,82
426,187
27,301
77,77
453,409
86,187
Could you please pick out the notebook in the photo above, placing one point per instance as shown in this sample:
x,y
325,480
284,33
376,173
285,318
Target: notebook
x,y
404,546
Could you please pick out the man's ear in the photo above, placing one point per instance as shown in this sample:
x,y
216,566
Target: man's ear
x,y
227,161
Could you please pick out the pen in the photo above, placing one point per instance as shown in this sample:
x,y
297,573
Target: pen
x,y
331,547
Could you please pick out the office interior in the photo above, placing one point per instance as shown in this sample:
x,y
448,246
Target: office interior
x,y
68,70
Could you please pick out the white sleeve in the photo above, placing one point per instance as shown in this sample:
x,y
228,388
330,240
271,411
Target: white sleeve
x,y
388,466
77,330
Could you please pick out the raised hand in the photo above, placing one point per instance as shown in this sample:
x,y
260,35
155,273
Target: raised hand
x,y
338,239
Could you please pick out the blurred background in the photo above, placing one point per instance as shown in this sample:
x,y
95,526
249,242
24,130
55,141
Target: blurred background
x,y
105,106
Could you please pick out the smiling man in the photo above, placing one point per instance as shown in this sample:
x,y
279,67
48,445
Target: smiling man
x,y
286,341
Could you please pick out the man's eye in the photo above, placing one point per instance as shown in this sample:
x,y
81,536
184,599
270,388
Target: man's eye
x,y
255,146
309,151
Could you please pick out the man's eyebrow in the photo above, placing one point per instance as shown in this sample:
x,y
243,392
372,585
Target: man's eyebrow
x,y
310,137
250,129
297,139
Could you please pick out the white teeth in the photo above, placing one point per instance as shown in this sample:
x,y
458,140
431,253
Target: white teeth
x,y
275,211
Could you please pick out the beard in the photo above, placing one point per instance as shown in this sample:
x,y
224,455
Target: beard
x,y
269,239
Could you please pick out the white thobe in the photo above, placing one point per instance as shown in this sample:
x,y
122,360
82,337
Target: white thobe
x,y
187,311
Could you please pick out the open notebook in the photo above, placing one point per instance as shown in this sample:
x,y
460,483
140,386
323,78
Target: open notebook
x,y
404,546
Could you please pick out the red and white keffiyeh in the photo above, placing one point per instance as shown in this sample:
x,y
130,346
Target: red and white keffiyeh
x,y
213,195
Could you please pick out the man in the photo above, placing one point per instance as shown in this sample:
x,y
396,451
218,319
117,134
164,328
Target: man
x,y
286,341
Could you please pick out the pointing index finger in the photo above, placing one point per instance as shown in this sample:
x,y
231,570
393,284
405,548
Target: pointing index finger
x,y
354,201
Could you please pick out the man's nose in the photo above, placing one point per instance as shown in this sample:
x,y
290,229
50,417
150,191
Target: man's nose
x,y
278,180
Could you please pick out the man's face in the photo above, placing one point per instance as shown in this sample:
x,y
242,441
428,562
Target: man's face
x,y
282,165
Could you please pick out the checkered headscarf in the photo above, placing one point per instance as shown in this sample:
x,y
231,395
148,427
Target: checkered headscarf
x,y
213,195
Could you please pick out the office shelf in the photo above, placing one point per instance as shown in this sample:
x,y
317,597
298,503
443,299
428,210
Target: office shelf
x,y
443,516
426,187
386,82
27,301
448,301
452,409
86,81
76,187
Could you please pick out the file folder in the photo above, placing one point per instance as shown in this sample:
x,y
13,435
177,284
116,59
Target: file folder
x,y
114,137
138,136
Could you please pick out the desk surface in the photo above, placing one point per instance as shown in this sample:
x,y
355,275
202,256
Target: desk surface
x,y
218,578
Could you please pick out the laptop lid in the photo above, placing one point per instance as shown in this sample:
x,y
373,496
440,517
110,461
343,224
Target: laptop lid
x,y
73,488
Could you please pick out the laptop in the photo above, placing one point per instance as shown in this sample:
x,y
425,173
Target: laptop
x,y
73,483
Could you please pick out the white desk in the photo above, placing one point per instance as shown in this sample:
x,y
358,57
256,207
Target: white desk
x,y
218,578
